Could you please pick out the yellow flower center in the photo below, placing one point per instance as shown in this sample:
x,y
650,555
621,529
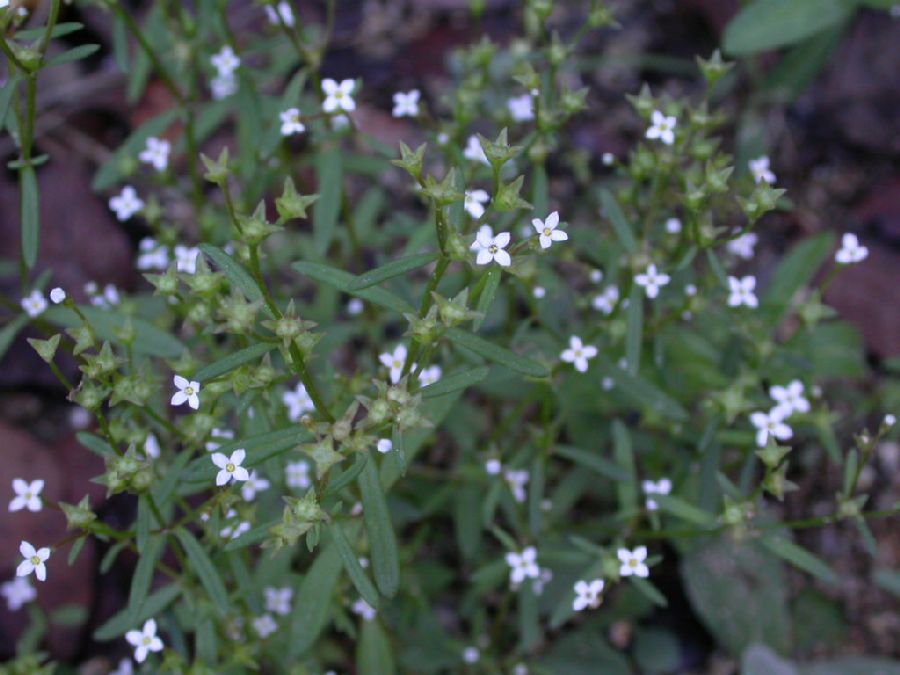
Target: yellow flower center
x,y
189,391
35,560
633,562
229,468
547,231
492,249
147,641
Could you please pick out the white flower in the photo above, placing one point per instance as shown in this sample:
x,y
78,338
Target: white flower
x,y
539,292
284,12
126,203
546,229
213,443
789,399
225,61
34,304
522,565
517,480
186,259
17,592
57,295
152,256
493,466
471,654
278,600
355,307
690,290
338,96
578,354
607,383
521,108
156,153
743,246
223,87
740,292
230,467
339,122
406,105
364,609
662,128
151,447
520,669
475,199
606,301
673,226
296,475
144,640
633,562
430,375
587,594
771,424
851,251
474,152
106,298
233,530
608,159
538,584
394,362
384,445
596,276
651,280
298,402
759,167
252,485
264,625
890,420
33,561
290,122
492,249
485,231
187,391
124,668
661,487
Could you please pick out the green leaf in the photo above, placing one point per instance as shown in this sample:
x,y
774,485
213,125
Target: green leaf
x,y
382,540
124,621
625,489
501,355
143,576
9,331
889,580
341,280
234,360
767,24
75,54
59,30
327,209
203,567
373,652
634,329
684,510
351,563
142,525
799,68
592,461
794,272
644,394
455,382
800,557
255,535
349,475
649,591
106,323
391,270
622,227
94,443
236,274
6,96
30,214
486,297
313,601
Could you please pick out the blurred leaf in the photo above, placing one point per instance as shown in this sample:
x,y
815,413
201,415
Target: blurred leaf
x,y
124,621
203,568
766,24
626,489
31,215
75,54
800,66
233,360
6,96
351,563
10,330
800,557
373,651
327,209
593,461
455,382
236,274
107,323
622,227
391,270
634,317
341,280
657,650
889,580
313,601
492,352
794,272
382,540
644,394
143,577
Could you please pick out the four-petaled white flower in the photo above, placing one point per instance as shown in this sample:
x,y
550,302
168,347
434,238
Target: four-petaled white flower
x,y
187,391
225,61
394,362
290,122
186,259
264,625
475,201
578,354
151,447
364,609
278,600
522,565
588,594
652,281
850,250
27,495
152,255
17,592
492,249
124,668
284,14
662,128
474,152
34,304
144,640
406,104
430,375
663,486
546,229
230,468
743,246
759,167
156,153
126,203
770,424
355,307
34,560
890,420
673,226
384,445
740,292
517,479
338,95
521,108
493,466
57,295
298,402
471,654
606,301
296,475
252,485
223,87
633,562
217,437
789,399
235,528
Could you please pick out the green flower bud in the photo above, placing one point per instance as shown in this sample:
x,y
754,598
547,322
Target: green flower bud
x,y
507,197
79,516
217,171
410,161
292,204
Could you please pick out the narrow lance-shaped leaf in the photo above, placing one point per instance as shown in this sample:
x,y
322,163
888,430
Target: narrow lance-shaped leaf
x,y
455,382
622,227
381,532
392,269
351,563
203,567
30,214
497,354
313,600
233,361
327,209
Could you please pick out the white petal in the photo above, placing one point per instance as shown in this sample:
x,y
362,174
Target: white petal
x,y
134,637
194,401
219,459
559,235
502,239
484,257
502,258
40,571
27,550
178,398
25,568
240,473
238,456
180,381
552,220
222,477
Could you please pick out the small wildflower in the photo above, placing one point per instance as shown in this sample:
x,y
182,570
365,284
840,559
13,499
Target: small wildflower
x,y
151,447
517,480
546,229
17,592
789,399
759,167
57,295
606,301
607,383
633,562
662,128
394,362
364,609
430,375
186,259
850,251
588,594
252,485
492,249
522,565
673,226
521,108
471,655
34,304
596,276
652,281
217,437
740,292
223,87
152,255
493,466
27,495
743,246
230,468
474,202
290,122
545,578
384,445
278,600
124,668
770,424
539,292
578,354
187,391
225,61
298,402
355,307
890,420
296,475
474,152
406,104
126,203
283,14
690,290
144,640
264,625
338,96
34,560
608,159
661,487
156,153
